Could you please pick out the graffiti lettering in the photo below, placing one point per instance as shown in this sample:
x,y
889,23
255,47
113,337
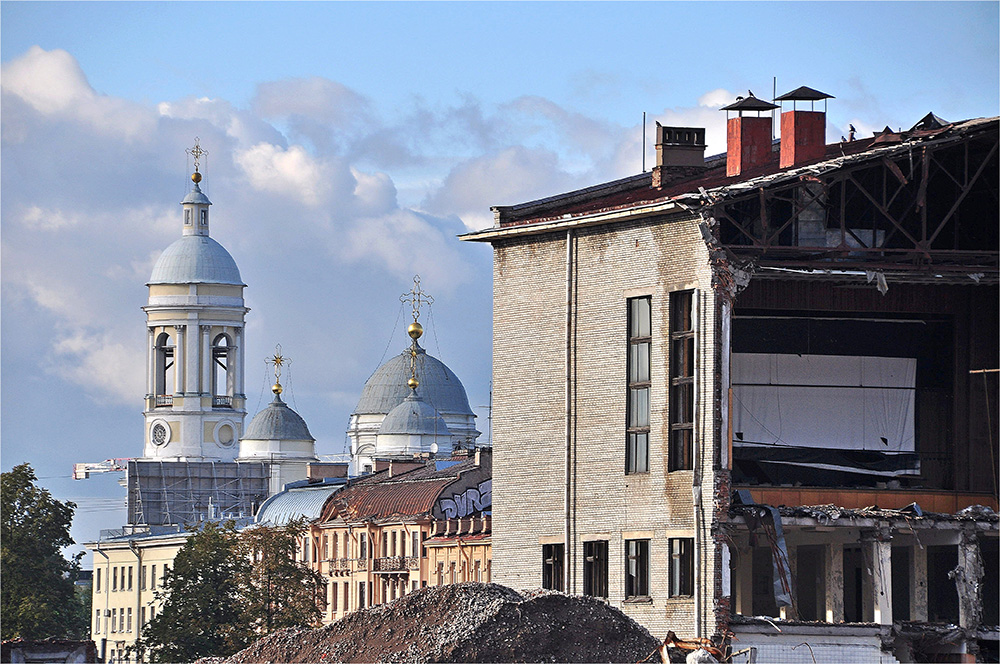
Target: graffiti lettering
x,y
468,502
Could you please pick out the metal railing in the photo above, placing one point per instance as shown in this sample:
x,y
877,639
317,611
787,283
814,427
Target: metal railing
x,y
162,400
223,401
395,564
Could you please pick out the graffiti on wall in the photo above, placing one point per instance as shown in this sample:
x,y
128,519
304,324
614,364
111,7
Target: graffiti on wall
x,y
471,501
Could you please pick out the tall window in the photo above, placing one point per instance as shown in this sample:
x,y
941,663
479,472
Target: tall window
x,y
164,378
636,568
97,580
362,546
114,579
130,577
361,594
97,621
595,568
222,377
637,429
152,577
552,566
681,566
416,544
682,344
326,545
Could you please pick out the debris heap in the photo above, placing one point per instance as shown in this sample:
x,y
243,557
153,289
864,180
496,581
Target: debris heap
x,y
466,622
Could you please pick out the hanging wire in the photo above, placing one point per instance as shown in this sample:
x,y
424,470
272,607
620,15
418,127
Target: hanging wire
x,y
392,335
291,391
263,384
430,315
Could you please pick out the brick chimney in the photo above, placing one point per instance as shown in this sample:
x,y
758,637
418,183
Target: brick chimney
x,y
748,138
803,132
680,153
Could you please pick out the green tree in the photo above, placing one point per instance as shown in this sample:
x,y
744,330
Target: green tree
x,y
37,596
277,591
202,613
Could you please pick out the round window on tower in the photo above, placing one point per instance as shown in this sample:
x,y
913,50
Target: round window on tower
x,y
159,433
225,433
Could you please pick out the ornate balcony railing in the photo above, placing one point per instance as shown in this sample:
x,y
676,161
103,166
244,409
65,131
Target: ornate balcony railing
x,y
340,563
362,564
222,401
396,564
163,400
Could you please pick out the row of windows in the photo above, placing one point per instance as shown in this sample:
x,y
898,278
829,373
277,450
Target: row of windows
x,y
681,387
121,577
393,543
120,620
636,572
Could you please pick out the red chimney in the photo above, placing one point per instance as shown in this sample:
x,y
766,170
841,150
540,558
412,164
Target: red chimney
x,y
748,138
803,133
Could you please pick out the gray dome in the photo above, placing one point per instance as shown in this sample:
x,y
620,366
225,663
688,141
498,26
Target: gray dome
x,y
196,196
439,386
414,416
277,422
196,259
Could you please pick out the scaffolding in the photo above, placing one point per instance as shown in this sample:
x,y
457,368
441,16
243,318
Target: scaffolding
x,y
183,492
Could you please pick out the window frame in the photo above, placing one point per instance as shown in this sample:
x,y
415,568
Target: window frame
x,y
637,413
595,568
637,580
681,566
683,367
553,566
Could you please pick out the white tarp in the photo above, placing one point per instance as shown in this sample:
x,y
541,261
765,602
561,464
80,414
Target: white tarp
x,y
825,401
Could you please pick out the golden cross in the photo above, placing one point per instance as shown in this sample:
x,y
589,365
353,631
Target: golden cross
x,y
197,152
416,297
278,361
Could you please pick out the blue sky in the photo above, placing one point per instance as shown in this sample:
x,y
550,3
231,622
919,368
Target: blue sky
x,y
349,144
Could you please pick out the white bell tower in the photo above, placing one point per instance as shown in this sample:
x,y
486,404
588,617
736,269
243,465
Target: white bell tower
x,y
195,403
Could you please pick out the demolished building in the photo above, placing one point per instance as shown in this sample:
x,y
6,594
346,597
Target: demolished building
x,y
811,327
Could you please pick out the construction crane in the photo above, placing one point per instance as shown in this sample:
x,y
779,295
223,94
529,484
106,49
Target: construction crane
x,y
82,471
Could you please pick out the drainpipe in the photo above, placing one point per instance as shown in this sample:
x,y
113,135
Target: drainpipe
x,y
568,566
107,592
696,486
139,577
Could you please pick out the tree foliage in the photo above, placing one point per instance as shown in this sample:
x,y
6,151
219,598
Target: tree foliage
x,y
38,590
278,592
227,588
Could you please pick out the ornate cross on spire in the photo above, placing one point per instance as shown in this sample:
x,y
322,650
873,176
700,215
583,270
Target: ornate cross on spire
x,y
416,297
278,361
197,153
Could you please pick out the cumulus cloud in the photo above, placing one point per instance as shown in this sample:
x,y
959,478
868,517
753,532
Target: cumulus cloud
x,y
291,172
101,360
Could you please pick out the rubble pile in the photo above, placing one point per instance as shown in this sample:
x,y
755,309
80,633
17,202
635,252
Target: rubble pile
x,y
466,622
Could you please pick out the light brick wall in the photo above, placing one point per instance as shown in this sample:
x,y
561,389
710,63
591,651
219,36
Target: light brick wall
x,y
611,263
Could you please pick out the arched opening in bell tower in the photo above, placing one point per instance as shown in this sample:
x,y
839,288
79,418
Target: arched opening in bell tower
x,y
164,374
223,379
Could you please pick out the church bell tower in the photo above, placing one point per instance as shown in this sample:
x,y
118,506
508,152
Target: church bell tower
x,y
195,318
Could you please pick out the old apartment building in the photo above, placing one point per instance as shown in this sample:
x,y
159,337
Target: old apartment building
x,y
760,384
408,525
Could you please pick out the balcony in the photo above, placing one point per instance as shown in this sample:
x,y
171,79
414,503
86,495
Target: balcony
x,y
222,401
395,564
163,400
340,564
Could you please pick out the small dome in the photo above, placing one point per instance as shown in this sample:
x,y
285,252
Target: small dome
x,y
277,422
196,259
196,196
414,417
439,386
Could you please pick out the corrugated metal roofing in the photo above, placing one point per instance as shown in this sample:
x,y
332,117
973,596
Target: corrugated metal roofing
x,y
296,502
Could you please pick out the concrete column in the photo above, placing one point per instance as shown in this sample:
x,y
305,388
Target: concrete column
x,y
918,584
206,361
179,358
151,361
744,581
833,560
791,612
968,580
238,362
882,580
191,370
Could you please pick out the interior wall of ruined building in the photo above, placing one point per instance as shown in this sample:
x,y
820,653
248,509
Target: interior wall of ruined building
x,y
949,330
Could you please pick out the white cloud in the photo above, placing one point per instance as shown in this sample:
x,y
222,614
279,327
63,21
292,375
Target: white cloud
x,y
107,363
291,172
717,98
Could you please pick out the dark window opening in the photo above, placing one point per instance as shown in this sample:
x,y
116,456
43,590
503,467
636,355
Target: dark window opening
x,y
636,569
595,568
854,569
989,549
637,416
942,594
681,566
810,581
552,566
682,359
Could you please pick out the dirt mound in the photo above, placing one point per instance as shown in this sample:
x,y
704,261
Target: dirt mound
x,y
467,622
